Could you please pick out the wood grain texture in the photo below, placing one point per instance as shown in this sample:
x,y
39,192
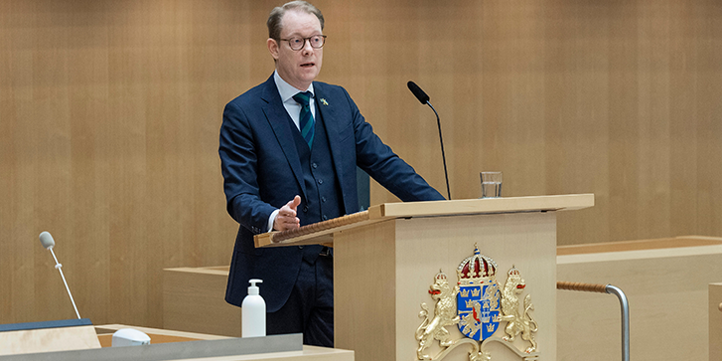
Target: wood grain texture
x,y
371,338
48,340
194,300
110,112
322,232
659,284
639,245
715,321
385,270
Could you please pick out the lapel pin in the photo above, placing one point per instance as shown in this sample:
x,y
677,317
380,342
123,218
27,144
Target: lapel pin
x,y
323,101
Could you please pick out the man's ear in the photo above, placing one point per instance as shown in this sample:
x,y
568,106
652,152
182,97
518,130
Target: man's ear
x,y
272,48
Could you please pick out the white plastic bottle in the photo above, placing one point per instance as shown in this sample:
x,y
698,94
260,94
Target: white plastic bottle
x,y
253,312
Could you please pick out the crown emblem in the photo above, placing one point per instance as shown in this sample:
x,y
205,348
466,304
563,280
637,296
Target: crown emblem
x,y
440,280
476,267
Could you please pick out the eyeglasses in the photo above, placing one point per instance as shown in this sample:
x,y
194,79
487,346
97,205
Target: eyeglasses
x,y
297,43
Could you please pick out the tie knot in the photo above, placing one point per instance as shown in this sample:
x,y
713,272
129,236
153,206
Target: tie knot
x,y
303,98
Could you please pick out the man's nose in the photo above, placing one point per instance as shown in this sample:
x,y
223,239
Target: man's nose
x,y
307,48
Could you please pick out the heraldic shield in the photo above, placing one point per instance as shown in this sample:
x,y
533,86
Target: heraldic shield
x,y
479,307
477,302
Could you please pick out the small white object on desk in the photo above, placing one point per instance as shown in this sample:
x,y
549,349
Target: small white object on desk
x,y
253,312
130,337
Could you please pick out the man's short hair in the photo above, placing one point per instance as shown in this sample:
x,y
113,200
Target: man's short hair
x,y
274,19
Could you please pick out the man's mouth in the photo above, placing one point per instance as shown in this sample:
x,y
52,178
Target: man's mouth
x,y
306,65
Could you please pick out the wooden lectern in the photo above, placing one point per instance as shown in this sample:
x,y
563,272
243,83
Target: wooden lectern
x,y
387,258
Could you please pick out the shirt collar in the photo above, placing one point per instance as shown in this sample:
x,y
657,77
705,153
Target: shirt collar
x,y
287,91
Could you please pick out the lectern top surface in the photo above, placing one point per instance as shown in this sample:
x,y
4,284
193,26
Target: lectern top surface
x,y
322,233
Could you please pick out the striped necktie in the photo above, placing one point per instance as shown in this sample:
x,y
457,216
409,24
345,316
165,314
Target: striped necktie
x,y
306,122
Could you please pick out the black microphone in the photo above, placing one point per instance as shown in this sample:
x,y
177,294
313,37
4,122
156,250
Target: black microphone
x,y
420,95
424,99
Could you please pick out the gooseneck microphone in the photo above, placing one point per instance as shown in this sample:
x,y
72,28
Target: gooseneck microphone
x,y
48,242
424,99
420,95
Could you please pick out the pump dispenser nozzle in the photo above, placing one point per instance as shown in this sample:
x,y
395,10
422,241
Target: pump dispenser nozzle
x,y
253,288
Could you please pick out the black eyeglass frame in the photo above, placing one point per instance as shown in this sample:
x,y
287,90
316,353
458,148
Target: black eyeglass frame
x,y
304,42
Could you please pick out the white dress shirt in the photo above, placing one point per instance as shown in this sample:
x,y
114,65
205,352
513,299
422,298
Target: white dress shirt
x,y
287,91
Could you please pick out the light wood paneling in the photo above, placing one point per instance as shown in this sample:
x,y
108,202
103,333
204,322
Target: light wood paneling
x,y
194,300
661,278
48,340
715,321
609,98
110,111
398,259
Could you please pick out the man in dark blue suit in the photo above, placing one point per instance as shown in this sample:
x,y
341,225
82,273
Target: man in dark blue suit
x,y
289,149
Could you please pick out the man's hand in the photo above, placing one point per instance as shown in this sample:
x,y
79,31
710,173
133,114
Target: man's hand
x,y
286,218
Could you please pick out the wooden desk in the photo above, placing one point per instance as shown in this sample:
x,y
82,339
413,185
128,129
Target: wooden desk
x,y
386,258
194,301
75,344
398,248
640,268
105,335
159,336
666,281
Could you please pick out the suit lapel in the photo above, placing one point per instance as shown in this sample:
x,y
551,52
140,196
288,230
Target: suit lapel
x,y
331,117
278,119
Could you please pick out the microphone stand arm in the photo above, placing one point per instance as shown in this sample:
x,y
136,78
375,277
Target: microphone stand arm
x,y
443,154
59,267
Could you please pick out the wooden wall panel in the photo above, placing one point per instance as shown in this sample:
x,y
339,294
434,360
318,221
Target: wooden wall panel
x,y
110,111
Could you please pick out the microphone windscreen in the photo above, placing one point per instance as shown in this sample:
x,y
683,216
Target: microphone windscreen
x,y
420,95
47,240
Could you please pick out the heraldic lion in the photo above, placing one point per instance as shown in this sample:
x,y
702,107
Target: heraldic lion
x,y
444,315
517,322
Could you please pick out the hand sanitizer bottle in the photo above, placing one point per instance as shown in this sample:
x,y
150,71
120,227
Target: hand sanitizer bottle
x,y
253,312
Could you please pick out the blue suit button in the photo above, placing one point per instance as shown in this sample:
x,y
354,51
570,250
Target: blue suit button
x,y
320,181
314,165
305,209
325,218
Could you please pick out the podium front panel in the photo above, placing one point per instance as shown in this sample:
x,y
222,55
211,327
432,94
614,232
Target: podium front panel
x,y
383,273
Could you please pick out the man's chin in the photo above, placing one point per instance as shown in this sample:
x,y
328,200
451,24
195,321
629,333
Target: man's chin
x,y
309,69
309,75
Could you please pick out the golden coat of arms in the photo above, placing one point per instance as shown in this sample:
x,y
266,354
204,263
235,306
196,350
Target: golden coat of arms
x,y
479,308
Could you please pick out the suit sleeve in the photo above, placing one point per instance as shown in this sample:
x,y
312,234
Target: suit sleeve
x,y
239,165
383,165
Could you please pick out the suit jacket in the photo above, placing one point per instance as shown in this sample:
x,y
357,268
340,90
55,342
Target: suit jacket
x,y
262,172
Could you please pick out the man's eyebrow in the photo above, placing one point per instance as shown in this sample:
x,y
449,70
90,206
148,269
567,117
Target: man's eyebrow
x,y
300,35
